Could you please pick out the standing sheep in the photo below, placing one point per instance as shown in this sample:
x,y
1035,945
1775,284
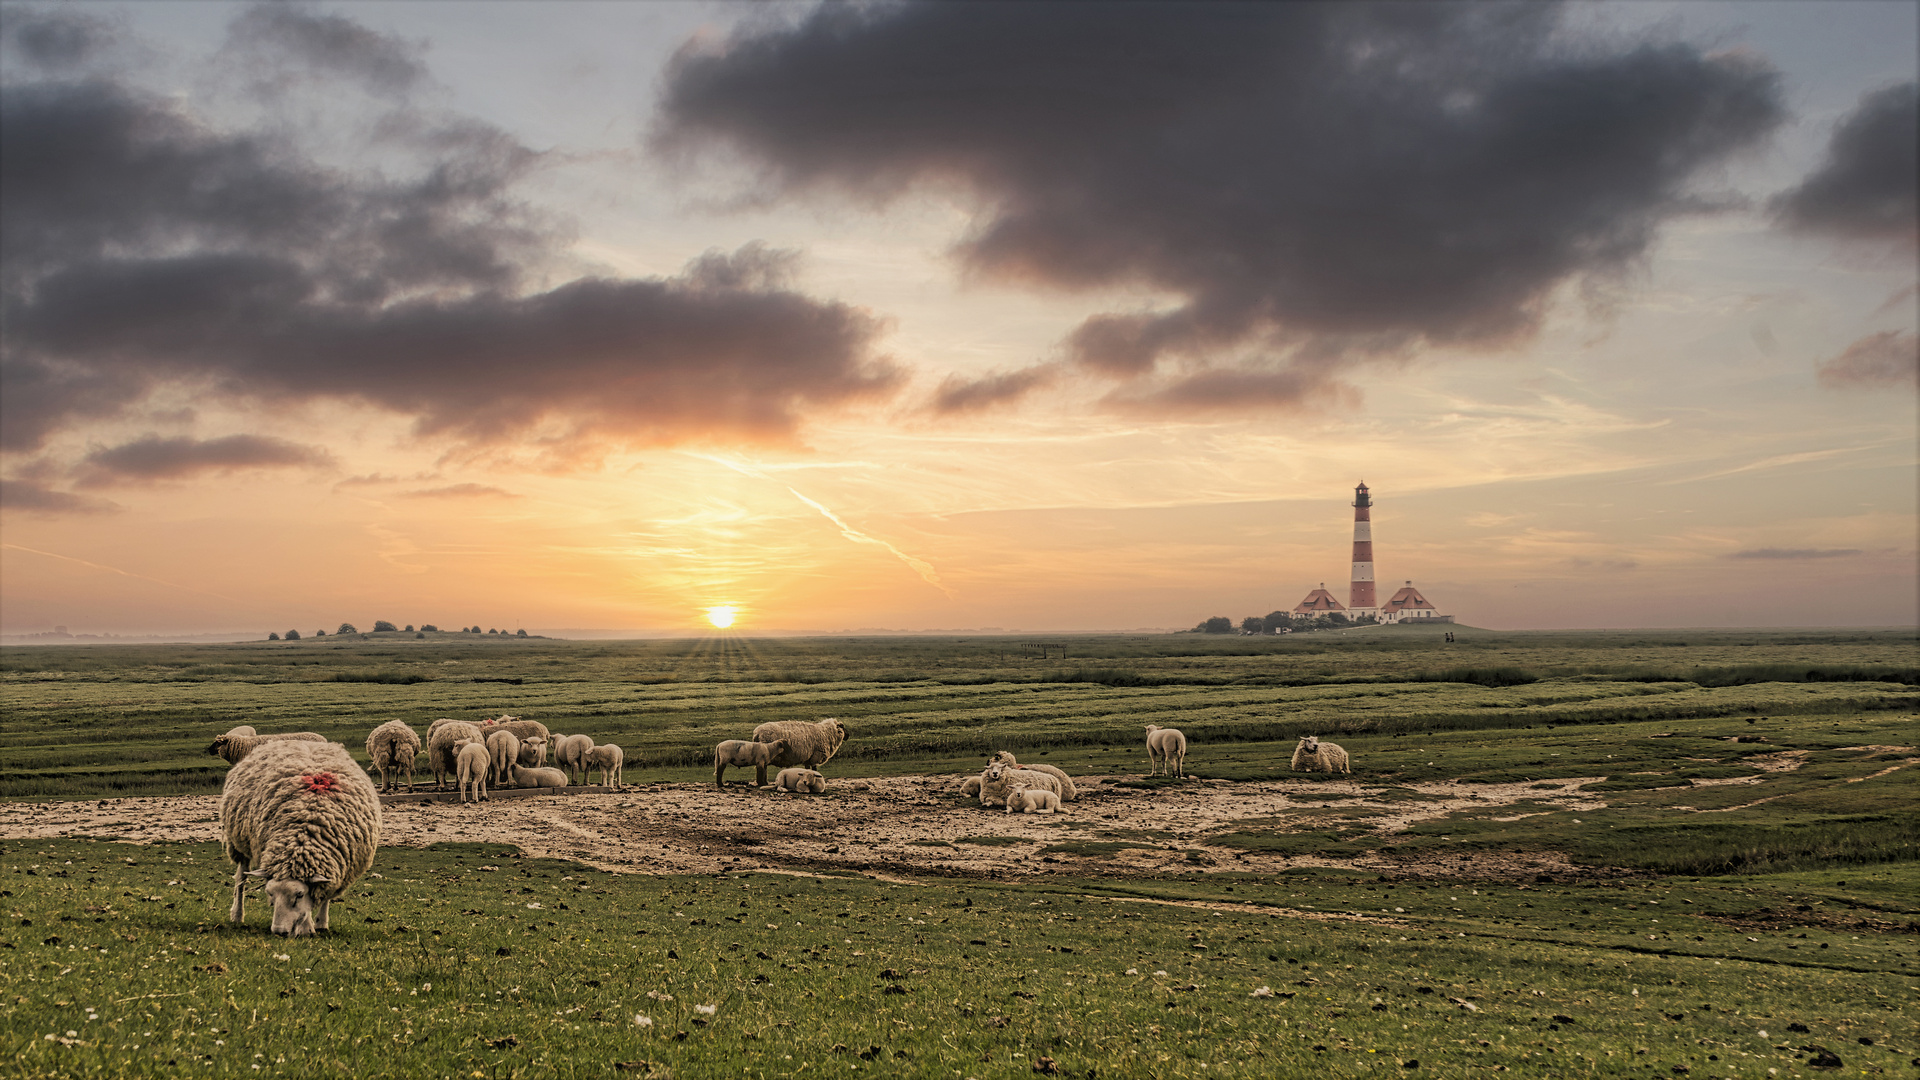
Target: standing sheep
x,y
522,729
800,782
611,762
235,748
808,745
570,753
741,753
443,747
998,780
503,749
307,819
1312,755
392,747
1022,799
1166,748
471,756
1068,792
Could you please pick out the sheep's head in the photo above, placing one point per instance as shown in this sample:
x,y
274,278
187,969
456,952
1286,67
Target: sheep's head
x,y
995,771
1310,743
780,747
1151,728
293,903
1004,757
219,747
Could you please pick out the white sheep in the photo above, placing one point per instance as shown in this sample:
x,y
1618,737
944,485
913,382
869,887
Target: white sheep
x,y
1166,748
235,748
998,780
800,781
307,819
1068,792
1025,799
443,741
533,752
1312,755
243,729
471,757
392,747
740,753
570,753
970,787
526,777
523,729
611,761
503,749
809,745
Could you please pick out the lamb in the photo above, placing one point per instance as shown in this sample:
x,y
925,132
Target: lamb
x,y
1024,799
1166,748
525,777
522,729
235,748
1312,755
570,753
471,756
998,780
307,819
1068,792
243,729
392,747
741,753
443,747
808,745
611,762
800,781
503,749
970,787
533,752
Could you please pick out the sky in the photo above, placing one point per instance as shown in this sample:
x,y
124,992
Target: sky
x,y
941,316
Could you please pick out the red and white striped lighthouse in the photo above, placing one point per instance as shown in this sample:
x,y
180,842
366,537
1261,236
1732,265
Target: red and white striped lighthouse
x,y
1360,600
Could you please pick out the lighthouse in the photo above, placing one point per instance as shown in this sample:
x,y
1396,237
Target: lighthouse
x,y
1360,601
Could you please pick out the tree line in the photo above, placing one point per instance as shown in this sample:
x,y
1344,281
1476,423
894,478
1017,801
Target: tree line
x,y
1276,622
382,626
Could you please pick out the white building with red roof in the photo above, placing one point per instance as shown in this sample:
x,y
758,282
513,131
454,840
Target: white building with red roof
x,y
1408,605
1318,602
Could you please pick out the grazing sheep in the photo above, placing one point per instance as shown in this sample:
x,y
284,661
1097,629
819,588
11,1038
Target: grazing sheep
x,y
305,817
611,762
1068,792
1312,755
570,753
1023,799
1166,748
522,729
503,749
243,729
471,756
998,780
392,747
742,753
800,781
808,745
525,777
234,748
443,747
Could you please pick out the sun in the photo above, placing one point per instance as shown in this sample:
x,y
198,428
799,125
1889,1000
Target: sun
x,y
721,617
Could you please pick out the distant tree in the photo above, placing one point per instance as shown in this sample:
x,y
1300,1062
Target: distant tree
x,y
346,628
430,628
1253,624
319,633
1278,620
491,630
409,628
1365,620
382,626
1219,624
420,635
520,633
1337,618
273,637
293,635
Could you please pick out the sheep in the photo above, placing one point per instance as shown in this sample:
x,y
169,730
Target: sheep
x,y
808,745
533,752
503,749
800,781
741,753
243,729
1312,755
522,729
1166,748
525,777
570,753
970,787
307,819
392,747
235,748
1026,799
471,756
611,762
443,747
1068,792
998,780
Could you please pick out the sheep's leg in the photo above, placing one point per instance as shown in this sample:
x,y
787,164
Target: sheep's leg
x,y
759,776
239,887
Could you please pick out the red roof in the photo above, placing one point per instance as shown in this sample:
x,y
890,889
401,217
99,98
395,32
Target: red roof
x,y
1319,602
1407,599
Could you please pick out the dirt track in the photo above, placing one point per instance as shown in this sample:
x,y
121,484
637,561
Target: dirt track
x,y
894,826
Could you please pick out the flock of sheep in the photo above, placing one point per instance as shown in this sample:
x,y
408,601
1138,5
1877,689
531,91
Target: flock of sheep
x,y
305,817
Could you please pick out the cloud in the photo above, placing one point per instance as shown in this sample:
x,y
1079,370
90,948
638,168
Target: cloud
x,y
1794,553
56,38
1890,358
1866,187
1303,180
280,39
962,395
463,491
150,248
34,497
156,458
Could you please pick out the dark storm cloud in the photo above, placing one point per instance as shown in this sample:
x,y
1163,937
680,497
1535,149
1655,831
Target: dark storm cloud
x,y
1869,185
1373,175
34,497
58,38
275,36
1794,553
157,458
1888,359
146,249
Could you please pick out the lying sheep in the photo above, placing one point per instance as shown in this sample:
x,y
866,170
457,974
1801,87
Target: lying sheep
x,y
800,781
611,762
1068,792
234,748
392,747
808,745
243,729
998,780
526,777
443,747
305,817
1312,755
1024,799
970,787
1166,748
470,755
503,749
570,753
741,753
